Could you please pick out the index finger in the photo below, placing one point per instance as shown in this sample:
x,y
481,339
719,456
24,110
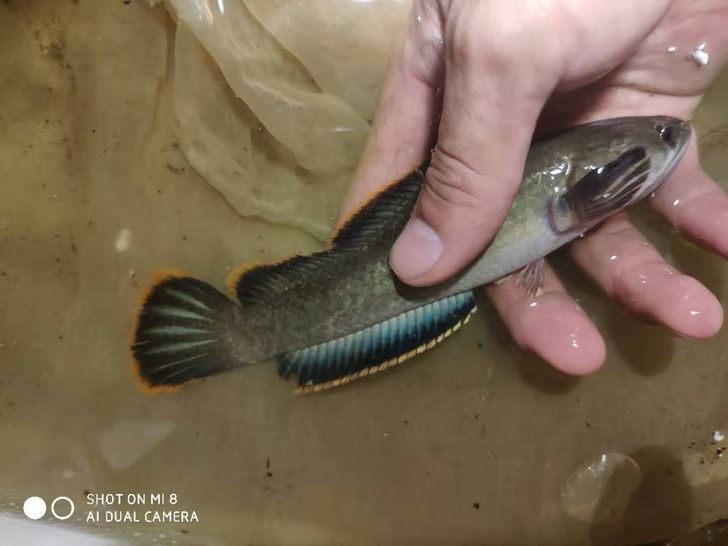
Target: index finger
x,y
406,117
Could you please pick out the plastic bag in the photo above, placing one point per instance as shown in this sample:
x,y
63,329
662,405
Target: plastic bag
x,y
253,120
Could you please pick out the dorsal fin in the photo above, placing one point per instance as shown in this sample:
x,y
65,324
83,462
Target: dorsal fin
x,y
377,347
257,283
383,216
376,225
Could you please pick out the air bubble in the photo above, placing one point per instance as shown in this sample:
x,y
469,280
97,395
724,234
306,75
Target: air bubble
x,y
600,491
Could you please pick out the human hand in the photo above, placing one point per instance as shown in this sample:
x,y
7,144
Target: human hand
x,y
486,69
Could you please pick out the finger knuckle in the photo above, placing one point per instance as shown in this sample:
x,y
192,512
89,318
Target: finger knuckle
x,y
500,37
463,49
629,285
466,43
451,181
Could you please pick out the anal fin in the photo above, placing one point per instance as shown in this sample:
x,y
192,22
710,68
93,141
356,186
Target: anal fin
x,y
377,347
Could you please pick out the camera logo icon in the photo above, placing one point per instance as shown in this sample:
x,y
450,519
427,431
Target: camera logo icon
x,y
62,508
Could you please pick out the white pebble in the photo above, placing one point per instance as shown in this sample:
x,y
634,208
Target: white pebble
x,y
718,436
671,49
123,240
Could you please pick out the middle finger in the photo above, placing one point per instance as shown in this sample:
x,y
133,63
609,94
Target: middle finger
x,y
625,265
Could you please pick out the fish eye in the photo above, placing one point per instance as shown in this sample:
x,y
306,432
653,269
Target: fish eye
x,y
667,133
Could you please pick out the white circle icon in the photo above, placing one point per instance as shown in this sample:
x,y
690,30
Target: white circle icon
x,y
34,507
71,508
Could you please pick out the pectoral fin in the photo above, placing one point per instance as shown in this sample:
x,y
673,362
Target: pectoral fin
x,y
530,278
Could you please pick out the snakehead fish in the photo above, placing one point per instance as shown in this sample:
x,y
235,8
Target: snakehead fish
x,y
340,313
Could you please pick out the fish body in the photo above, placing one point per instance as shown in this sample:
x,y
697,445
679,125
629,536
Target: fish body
x,y
341,313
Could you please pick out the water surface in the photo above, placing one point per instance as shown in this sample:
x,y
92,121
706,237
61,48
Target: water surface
x,y
473,442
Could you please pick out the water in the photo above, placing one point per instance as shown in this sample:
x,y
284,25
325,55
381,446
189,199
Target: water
x,y
472,442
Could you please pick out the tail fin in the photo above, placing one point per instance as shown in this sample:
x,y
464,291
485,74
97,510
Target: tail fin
x,y
184,331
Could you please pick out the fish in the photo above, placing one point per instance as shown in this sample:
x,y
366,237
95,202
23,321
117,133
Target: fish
x,y
341,314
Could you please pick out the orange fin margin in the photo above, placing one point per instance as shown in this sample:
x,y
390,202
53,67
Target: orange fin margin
x,y
388,195
239,271
346,219
158,278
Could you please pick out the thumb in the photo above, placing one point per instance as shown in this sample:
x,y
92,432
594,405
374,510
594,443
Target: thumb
x,y
469,187
474,173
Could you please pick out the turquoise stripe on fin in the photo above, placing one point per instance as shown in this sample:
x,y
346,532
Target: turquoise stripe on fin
x,y
377,347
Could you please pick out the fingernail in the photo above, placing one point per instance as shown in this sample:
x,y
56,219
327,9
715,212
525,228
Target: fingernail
x,y
416,251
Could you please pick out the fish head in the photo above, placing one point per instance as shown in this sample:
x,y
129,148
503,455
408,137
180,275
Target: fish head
x,y
615,163
664,140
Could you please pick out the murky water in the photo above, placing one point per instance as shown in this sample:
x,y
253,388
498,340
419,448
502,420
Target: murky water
x,y
473,442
